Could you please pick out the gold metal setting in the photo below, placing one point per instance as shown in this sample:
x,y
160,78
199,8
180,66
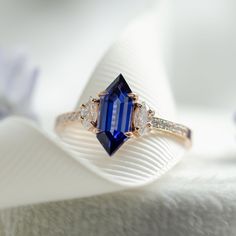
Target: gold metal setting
x,y
129,134
157,124
133,96
103,93
151,113
94,124
95,100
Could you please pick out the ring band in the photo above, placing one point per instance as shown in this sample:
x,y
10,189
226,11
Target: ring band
x,y
117,115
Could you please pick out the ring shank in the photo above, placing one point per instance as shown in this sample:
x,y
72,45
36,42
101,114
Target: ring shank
x,y
172,129
160,125
66,119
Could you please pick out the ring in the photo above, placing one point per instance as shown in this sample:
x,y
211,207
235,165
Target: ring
x,y
117,115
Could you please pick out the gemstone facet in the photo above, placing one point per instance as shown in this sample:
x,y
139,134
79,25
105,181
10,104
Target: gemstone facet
x,y
115,115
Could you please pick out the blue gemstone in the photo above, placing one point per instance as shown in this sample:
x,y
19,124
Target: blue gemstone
x,y
114,116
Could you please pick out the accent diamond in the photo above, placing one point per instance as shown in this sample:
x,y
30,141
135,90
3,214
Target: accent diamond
x,y
88,113
115,113
141,118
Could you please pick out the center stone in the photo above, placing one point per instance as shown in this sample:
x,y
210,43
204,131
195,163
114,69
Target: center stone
x,y
114,115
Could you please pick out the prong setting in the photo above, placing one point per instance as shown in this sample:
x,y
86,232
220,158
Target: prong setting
x,y
129,134
95,100
151,113
103,93
134,96
137,105
94,123
94,130
136,132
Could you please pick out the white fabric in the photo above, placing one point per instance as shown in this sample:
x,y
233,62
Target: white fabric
x,y
35,169
39,170
137,56
197,197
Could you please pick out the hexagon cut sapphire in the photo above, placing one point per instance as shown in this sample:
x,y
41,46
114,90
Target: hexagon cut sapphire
x,y
114,116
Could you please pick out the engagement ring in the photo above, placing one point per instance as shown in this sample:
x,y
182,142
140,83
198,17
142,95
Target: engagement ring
x,y
117,115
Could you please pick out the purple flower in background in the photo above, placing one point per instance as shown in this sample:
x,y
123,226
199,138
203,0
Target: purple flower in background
x,y
17,83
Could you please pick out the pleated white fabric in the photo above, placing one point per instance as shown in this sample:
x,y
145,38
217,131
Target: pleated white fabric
x,y
35,168
137,56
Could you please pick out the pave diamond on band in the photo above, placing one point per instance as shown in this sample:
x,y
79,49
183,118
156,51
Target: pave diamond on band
x,y
117,115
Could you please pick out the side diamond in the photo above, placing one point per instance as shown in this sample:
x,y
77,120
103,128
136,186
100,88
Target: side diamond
x,y
88,113
141,119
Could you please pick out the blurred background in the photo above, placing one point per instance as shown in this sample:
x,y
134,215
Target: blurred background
x,y
65,39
